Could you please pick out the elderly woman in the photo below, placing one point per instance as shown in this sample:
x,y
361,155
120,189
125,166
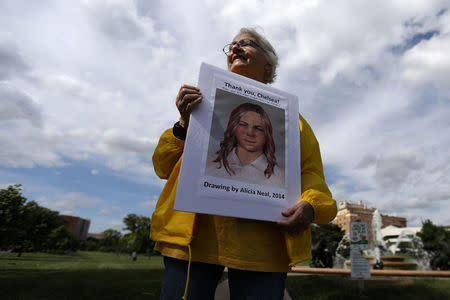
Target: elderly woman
x,y
258,254
247,151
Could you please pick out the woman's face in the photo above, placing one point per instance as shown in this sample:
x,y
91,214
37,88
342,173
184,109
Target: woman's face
x,y
250,132
248,61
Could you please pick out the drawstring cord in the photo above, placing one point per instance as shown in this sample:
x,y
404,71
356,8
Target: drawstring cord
x,y
188,270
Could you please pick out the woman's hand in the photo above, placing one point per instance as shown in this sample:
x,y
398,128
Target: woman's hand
x,y
188,97
299,217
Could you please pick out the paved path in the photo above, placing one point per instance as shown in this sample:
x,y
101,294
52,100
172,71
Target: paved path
x,y
223,292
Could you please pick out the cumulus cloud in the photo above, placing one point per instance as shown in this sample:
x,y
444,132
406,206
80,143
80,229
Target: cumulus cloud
x,y
106,222
115,140
149,204
104,212
372,78
429,62
12,62
69,203
393,170
107,211
16,104
119,20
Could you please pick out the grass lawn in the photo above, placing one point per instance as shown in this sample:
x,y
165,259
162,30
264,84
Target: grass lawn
x,y
321,287
80,260
96,275
84,275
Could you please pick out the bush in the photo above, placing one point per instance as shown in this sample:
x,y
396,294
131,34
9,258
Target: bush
x,y
436,241
325,240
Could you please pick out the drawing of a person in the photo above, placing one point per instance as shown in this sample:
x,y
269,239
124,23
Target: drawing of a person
x,y
247,151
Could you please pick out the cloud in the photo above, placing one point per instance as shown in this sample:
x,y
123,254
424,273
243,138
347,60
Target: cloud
x,y
27,147
17,105
12,62
107,211
69,203
393,170
100,224
95,172
115,140
119,20
429,62
149,204
371,77
5,185
104,212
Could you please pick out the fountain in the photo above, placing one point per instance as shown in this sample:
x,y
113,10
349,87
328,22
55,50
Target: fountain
x,y
378,243
379,255
342,252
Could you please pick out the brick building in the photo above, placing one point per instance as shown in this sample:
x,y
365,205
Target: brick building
x,y
352,212
78,226
97,236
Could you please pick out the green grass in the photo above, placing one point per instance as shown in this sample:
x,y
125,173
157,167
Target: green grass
x,y
321,287
84,275
96,275
78,261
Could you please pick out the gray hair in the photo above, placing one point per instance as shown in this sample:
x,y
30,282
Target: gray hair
x,y
269,51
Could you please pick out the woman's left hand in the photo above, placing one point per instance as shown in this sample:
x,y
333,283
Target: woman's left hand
x,y
299,217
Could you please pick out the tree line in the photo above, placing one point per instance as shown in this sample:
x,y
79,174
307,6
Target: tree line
x,y
27,226
136,240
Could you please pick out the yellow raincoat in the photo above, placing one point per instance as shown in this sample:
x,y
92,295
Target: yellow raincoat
x,y
174,230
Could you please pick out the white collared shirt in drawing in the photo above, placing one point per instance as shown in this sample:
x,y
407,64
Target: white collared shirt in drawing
x,y
250,173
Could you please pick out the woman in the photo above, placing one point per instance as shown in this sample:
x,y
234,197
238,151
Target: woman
x,y
247,152
258,254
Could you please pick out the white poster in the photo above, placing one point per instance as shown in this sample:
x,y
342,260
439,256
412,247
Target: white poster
x,y
359,241
359,235
242,152
360,266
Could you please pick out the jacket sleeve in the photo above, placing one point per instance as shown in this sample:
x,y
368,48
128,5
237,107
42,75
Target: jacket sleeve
x,y
314,188
167,153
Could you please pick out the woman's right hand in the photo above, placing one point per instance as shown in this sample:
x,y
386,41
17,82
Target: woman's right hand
x,y
188,97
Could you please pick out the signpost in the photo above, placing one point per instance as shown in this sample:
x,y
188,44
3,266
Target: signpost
x,y
359,241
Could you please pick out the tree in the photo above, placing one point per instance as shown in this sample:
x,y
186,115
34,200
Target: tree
x,y
61,240
436,241
110,241
39,223
136,223
90,244
27,225
12,219
325,240
139,236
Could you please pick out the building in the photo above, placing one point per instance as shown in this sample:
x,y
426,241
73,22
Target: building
x,y
352,212
396,239
78,226
97,236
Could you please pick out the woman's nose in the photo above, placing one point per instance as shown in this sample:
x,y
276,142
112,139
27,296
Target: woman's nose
x,y
251,131
236,48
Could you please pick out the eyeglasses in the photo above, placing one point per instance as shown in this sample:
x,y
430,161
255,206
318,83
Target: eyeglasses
x,y
242,43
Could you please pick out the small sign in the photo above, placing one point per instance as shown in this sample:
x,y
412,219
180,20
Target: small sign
x,y
360,266
359,240
359,235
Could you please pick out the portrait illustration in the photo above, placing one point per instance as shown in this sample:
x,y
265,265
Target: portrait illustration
x,y
247,141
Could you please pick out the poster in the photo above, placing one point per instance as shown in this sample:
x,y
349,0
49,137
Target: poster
x,y
242,150
359,235
359,241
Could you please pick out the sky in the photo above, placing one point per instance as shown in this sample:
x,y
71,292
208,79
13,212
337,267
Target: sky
x,y
87,87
